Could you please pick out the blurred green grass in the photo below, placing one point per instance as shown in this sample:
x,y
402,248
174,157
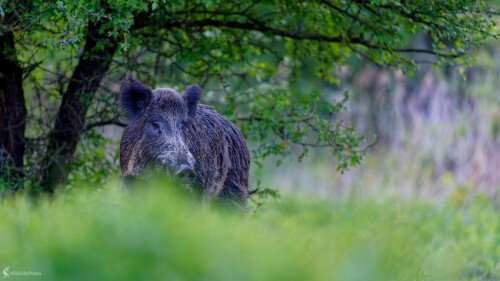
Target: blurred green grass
x,y
157,234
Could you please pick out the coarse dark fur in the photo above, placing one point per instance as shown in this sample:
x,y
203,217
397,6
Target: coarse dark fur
x,y
168,132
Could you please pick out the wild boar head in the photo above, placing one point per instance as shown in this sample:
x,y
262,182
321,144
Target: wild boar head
x,y
154,140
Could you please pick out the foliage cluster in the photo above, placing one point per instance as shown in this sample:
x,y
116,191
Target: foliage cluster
x,y
253,58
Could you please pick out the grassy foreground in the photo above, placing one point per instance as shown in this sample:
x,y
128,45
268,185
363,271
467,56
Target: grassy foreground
x,y
154,234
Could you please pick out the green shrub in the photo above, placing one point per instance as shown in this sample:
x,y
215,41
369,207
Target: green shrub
x,y
157,234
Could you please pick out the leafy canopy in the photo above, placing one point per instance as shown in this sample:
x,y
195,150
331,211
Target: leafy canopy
x,y
254,58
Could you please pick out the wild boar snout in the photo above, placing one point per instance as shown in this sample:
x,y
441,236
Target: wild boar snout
x,y
186,174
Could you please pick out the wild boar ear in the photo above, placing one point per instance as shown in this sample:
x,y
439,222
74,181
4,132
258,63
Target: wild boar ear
x,y
192,96
134,97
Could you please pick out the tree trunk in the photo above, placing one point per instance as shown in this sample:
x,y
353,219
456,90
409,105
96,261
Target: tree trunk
x,y
92,66
12,112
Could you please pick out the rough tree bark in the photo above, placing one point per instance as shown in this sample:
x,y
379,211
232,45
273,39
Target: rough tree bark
x,y
70,121
12,111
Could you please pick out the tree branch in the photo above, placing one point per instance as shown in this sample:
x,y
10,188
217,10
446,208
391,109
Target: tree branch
x,y
258,26
103,123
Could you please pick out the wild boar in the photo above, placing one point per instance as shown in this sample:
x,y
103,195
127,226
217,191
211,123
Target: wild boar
x,y
173,134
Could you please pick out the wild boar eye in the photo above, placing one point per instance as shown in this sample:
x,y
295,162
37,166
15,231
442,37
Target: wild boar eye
x,y
156,126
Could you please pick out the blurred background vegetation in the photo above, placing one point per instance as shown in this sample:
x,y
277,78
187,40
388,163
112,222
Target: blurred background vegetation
x,y
324,75
154,234
377,106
